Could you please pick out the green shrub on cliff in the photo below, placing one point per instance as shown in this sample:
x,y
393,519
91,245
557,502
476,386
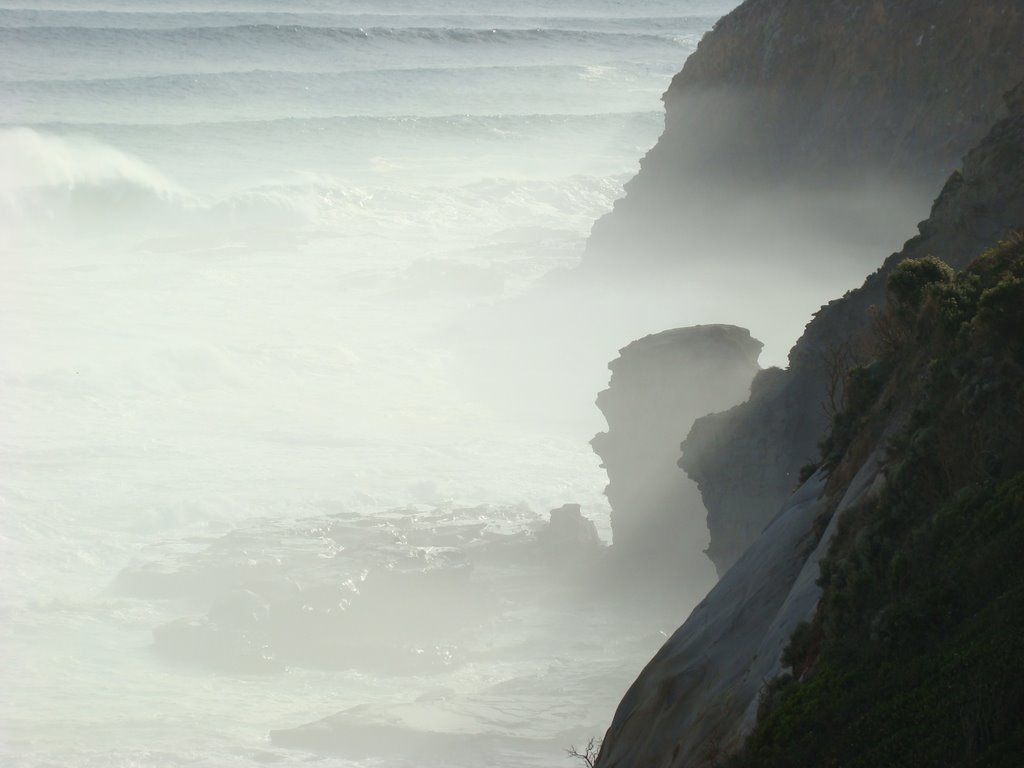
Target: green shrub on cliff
x,y
909,281
1002,309
915,656
935,676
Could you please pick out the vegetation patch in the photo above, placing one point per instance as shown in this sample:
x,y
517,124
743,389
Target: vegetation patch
x,y
915,656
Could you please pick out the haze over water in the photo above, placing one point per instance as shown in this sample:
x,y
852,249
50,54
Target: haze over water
x,y
237,240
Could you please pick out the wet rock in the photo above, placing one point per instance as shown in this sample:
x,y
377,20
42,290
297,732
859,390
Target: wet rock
x,y
204,643
241,609
391,593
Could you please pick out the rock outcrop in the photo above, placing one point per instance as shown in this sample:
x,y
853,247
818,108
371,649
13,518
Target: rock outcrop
x,y
747,460
784,95
659,385
569,536
336,591
746,468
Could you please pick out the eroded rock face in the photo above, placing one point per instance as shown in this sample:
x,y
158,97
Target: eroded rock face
x,y
659,385
748,459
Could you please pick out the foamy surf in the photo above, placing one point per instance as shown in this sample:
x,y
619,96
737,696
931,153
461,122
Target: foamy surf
x,y
240,245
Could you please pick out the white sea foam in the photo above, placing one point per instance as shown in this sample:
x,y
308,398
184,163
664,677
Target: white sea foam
x,y
238,251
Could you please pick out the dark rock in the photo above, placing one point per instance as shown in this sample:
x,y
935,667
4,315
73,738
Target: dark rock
x,y
569,535
690,702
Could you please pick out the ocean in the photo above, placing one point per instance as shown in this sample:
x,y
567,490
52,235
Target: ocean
x,y
238,241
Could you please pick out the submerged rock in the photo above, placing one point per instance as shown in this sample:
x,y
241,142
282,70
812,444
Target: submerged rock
x,y
206,644
387,593
399,592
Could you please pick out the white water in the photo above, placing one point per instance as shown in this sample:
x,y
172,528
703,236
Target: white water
x,y
238,238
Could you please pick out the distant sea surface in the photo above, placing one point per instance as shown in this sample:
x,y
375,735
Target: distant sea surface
x,y
236,240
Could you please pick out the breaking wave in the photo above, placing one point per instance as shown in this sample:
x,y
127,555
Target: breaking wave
x,y
54,186
301,34
46,179
26,17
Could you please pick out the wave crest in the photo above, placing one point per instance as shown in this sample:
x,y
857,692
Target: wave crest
x,y
292,33
31,159
44,177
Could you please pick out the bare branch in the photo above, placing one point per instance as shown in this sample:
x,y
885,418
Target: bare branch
x,y
589,754
837,361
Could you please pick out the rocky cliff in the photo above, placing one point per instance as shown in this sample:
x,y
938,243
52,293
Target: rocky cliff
x,y
747,460
659,385
882,604
783,97
934,419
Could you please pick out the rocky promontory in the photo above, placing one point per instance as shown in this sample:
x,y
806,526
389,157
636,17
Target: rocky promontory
x,y
659,385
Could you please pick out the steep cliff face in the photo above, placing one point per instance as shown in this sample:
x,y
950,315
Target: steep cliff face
x,y
791,95
905,87
659,385
939,416
747,460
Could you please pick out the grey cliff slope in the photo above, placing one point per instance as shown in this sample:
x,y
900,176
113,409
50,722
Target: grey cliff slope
x,y
701,679
697,699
